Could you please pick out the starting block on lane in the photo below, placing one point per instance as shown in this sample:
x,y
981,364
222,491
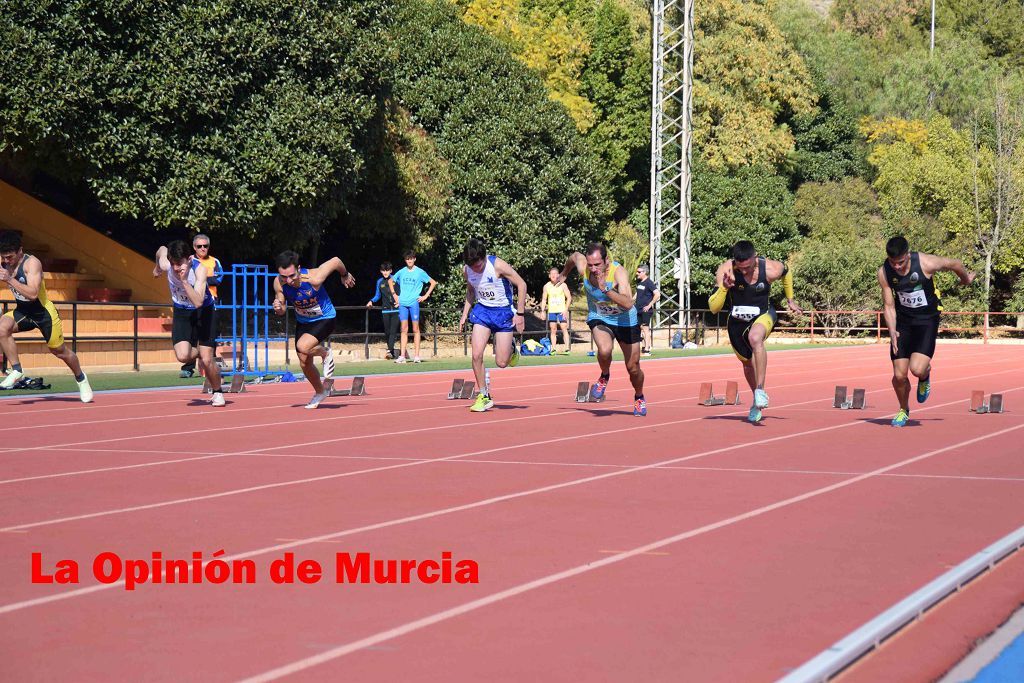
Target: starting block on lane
x,y
237,385
358,387
858,401
980,405
462,388
583,394
706,396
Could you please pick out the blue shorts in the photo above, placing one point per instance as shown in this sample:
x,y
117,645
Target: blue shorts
x,y
495,319
409,312
556,317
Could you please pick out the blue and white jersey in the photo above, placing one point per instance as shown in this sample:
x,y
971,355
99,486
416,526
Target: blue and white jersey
x,y
310,304
178,296
491,290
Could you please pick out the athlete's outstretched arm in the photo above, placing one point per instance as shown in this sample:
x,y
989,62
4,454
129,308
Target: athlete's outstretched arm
x,y
576,260
932,264
468,304
33,277
725,279
506,271
888,308
319,275
776,270
280,304
162,263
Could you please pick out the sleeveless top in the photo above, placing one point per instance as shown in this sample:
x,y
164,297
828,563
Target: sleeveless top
x,y
491,290
178,296
751,300
25,304
915,294
311,304
600,307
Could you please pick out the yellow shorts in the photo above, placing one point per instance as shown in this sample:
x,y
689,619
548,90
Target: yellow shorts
x,y
45,320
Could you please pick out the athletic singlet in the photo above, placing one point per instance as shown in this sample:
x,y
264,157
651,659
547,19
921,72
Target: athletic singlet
x,y
600,307
310,304
915,293
492,290
556,298
749,301
25,304
178,296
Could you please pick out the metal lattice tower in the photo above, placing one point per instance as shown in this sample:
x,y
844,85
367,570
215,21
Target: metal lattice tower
x,y
671,128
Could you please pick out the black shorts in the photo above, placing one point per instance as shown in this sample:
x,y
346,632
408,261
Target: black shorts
x,y
624,335
320,329
42,318
915,336
197,326
644,318
740,329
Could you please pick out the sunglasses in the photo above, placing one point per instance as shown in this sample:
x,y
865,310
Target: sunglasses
x,y
202,246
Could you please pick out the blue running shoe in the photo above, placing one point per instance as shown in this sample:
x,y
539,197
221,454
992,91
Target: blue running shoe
x,y
760,398
598,389
924,389
901,418
754,416
639,408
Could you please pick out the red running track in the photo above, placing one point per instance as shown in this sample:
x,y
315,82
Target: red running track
x,y
689,545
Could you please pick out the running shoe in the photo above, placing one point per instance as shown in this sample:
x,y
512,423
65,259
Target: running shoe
x,y
218,399
316,400
639,408
597,391
417,359
400,359
754,416
84,390
760,398
12,378
329,365
514,359
483,402
185,374
901,418
924,388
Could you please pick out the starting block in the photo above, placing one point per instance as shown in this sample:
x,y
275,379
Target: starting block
x,y
978,404
583,394
358,387
857,402
462,388
707,397
237,385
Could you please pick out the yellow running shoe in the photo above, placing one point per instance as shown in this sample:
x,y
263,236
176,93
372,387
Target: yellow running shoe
x,y
483,402
514,360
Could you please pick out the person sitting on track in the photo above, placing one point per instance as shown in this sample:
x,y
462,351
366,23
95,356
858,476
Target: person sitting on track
x,y
911,307
611,317
314,313
23,273
489,283
193,333
745,281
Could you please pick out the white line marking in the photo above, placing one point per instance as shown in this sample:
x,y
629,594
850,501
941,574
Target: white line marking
x,y
473,605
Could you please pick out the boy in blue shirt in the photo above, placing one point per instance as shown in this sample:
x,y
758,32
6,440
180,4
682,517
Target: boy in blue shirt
x,y
410,281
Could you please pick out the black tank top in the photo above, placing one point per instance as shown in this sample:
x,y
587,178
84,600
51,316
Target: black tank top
x,y
25,304
750,300
915,293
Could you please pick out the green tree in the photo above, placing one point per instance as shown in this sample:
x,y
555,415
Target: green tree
x,y
257,128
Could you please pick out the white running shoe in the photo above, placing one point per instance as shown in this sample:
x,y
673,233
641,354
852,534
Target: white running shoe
x,y
316,400
218,399
760,398
400,359
417,359
84,390
11,379
328,366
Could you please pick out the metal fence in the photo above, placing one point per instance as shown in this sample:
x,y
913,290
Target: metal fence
x,y
358,325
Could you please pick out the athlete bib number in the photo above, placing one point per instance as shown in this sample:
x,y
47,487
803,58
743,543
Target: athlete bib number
x,y
486,294
915,299
308,308
745,312
608,309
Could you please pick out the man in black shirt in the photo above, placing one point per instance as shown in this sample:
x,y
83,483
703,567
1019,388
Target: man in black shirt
x,y
647,294
911,306
388,298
